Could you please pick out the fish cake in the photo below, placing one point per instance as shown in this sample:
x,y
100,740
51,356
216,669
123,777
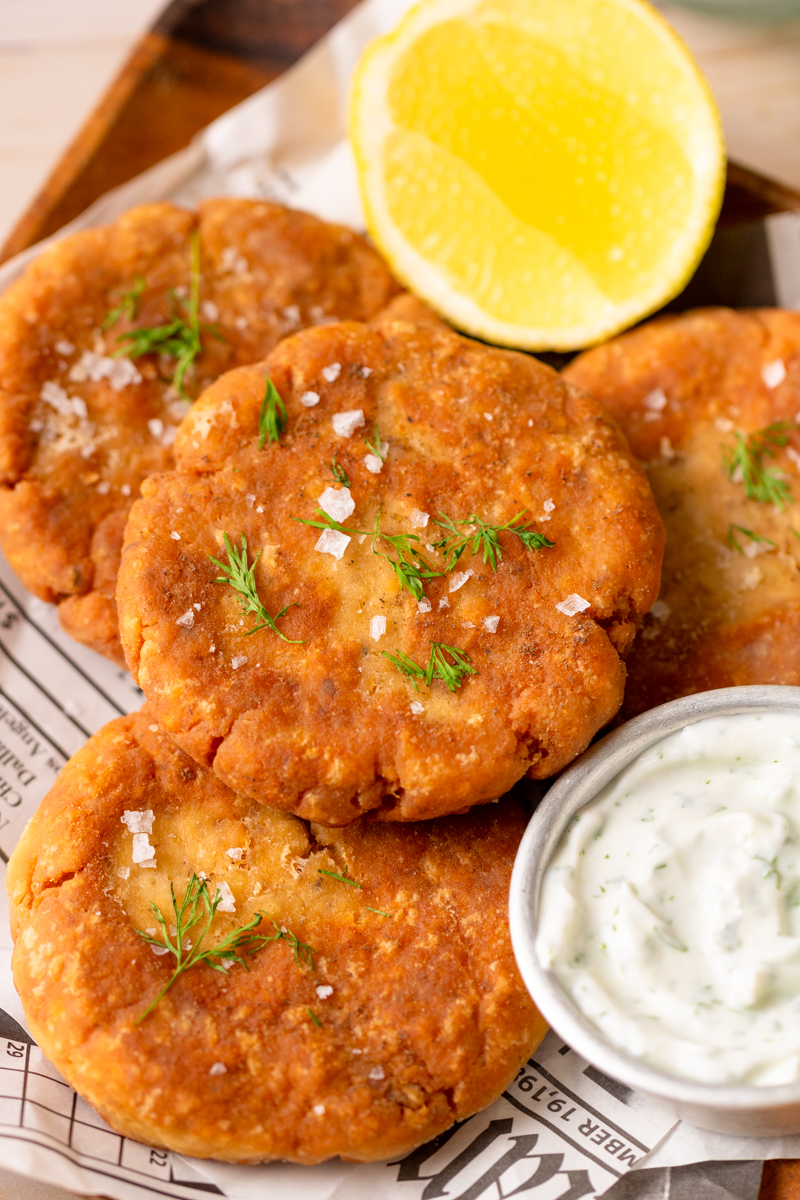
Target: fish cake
x,y
312,716
80,428
690,392
384,1009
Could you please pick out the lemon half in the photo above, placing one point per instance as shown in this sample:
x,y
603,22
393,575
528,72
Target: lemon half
x,y
542,172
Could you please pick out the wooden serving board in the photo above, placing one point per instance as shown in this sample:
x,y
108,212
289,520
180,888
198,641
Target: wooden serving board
x,y
200,59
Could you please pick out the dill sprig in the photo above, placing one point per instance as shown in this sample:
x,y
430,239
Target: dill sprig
x,y
314,1018
272,418
484,536
197,908
180,337
745,463
341,878
129,304
243,580
733,543
376,446
411,568
447,663
378,911
338,472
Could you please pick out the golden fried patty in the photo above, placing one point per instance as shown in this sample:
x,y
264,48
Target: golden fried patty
x,y
80,429
325,724
691,392
413,1016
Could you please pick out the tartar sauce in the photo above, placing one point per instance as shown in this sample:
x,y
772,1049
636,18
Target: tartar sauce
x,y
671,909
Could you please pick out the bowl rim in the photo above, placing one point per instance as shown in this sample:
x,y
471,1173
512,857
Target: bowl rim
x,y
579,784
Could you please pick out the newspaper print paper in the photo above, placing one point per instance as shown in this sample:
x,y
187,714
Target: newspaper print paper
x,y
561,1131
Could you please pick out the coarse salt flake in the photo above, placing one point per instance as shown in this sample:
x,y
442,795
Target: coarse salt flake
x,y
459,579
324,990
346,423
418,519
366,372
210,310
153,728
424,605
125,489
490,624
373,463
156,427
655,400
124,873
120,372
235,853
377,1073
160,949
139,820
416,707
176,537
573,604
337,503
331,541
774,373
65,347
187,620
227,904
218,1069
142,850
723,424
309,399
332,372
238,660
548,505
104,487
444,602
319,1109
377,628
660,610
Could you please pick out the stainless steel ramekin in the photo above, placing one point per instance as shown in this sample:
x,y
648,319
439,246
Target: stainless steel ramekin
x,y
746,1110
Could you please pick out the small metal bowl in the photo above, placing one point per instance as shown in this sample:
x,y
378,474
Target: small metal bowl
x,y
746,1110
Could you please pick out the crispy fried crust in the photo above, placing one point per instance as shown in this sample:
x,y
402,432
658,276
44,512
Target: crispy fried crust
x,y
67,478
427,1021
326,729
726,617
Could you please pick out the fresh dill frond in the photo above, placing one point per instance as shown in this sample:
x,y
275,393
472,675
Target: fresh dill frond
x,y
406,666
179,338
129,305
376,446
341,878
447,663
197,908
411,568
243,580
732,541
484,536
745,463
378,911
314,1018
272,418
772,869
338,472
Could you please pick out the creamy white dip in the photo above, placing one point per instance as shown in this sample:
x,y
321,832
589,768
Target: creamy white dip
x,y
671,909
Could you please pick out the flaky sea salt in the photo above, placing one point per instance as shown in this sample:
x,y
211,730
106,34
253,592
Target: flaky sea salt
x,y
142,851
218,1069
377,1073
724,424
774,373
64,347
418,519
160,949
324,990
238,660
209,310
346,423
124,873
138,820
104,487
292,312
377,628
227,904
366,372
459,579
235,853
153,728
373,464
655,400
176,537
572,604
488,416
309,399
156,427
548,505
332,373
120,372
337,503
424,605
444,602
660,610
125,489
416,707
187,620
249,499
490,624
331,541
68,406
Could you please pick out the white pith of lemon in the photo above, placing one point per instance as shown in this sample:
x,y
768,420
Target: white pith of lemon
x,y
543,172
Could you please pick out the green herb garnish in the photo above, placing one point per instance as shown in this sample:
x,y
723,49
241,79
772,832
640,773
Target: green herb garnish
x,y
179,337
732,541
197,908
484,536
376,446
128,306
378,911
338,472
341,878
243,580
314,1018
272,418
745,463
447,663
771,869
